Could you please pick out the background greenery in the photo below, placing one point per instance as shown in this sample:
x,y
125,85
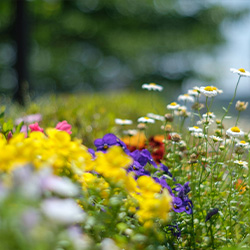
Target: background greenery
x,y
75,45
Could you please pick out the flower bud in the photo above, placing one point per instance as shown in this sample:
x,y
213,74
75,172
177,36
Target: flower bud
x,y
241,106
176,137
169,117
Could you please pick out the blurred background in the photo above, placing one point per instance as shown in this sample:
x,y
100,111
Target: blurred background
x,y
55,46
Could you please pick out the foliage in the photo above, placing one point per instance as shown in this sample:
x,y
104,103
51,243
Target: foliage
x,y
110,44
185,187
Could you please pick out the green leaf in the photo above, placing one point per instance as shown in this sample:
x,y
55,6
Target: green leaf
x,y
7,126
18,128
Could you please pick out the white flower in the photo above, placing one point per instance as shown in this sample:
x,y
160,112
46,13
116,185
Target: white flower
x,y
109,244
182,111
123,121
62,211
61,186
198,134
186,97
216,138
235,132
207,121
193,92
130,132
209,115
29,119
173,106
195,129
242,144
152,86
243,164
209,91
145,119
156,117
241,72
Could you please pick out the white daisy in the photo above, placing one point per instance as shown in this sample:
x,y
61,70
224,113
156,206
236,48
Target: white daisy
x,y
156,117
243,164
145,119
130,132
123,121
209,115
182,111
207,121
152,86
235,132
186,97
242,144
195,129
209,91
241,72
198,134
216,138
193,92
173,106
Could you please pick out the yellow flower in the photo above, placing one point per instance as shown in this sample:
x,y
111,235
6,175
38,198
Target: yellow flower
x,y
113,164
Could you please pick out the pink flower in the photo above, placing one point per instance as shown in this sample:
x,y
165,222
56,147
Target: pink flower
x,y
64,126
9,136
35,127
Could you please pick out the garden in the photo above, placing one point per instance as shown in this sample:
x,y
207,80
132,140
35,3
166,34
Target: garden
x,y
124,125
100,176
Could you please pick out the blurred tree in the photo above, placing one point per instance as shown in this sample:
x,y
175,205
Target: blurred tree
x,y
106,44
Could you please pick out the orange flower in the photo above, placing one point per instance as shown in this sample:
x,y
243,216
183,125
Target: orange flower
x,y
239,185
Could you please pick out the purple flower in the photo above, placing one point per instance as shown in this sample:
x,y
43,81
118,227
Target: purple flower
x,y
182,190
145,153
106,142
175,230
182,203
123,145
211,213
143,157
92,152
165,169
178,205
163,183
138,169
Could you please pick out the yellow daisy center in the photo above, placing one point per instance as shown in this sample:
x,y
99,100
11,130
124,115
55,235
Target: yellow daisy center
x,y
152,84
243,142
210,88
195,127
235,129
146,118
242,70
186,94
240,162
173,103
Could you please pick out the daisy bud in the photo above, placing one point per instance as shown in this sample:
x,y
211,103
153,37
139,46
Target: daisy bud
x,y
169,117
241,106
168,128
176,137
193,158
141,126
218,132
197,106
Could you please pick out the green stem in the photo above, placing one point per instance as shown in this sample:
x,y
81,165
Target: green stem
x,y
237,119
231,102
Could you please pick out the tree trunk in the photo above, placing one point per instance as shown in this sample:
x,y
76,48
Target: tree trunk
x,y
21,38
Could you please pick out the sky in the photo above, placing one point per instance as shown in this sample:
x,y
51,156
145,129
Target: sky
x,y
235,53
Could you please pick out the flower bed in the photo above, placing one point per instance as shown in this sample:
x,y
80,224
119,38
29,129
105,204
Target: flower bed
x,y
184,187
